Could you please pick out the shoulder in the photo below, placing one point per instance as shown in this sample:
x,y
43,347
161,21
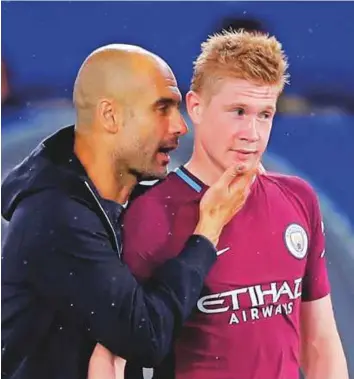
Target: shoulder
x,y
52,212
152,199
291,185
53,225
148,220
296,190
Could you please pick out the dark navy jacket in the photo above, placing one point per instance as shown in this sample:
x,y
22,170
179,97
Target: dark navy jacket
x,y
64,285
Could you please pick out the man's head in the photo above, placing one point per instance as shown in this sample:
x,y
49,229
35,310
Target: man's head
x,y
237,80
126,100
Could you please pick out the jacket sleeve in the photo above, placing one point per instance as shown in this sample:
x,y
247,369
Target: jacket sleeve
x,y
72,265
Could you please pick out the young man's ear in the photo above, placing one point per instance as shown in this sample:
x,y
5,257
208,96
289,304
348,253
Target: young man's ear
x,y
109,114
194,107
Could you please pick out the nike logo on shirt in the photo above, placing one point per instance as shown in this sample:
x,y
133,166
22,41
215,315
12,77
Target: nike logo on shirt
x,y
219,252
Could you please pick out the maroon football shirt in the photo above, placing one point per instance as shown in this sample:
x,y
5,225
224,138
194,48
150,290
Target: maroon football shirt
x,y
271,256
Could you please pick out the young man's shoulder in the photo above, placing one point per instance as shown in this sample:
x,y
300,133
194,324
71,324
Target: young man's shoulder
x,y
156,192
289,184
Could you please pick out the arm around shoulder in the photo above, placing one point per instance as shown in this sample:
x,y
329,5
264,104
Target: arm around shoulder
x,y
75,269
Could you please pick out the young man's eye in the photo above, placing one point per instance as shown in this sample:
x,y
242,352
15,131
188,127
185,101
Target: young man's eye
x,y
239,111
266,115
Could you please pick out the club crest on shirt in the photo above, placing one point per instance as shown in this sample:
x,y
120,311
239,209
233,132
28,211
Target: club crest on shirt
x,y
296,240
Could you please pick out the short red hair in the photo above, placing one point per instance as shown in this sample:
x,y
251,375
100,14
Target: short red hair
x,y
252,56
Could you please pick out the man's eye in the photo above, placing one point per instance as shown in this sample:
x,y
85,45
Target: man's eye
x,y
163,109
266,115
239,111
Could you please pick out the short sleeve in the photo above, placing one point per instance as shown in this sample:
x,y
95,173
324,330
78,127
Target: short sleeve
x,y
316,283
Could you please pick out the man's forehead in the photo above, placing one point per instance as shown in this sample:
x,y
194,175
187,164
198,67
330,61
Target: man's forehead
x,y
158,83
175,92
167,87
244,88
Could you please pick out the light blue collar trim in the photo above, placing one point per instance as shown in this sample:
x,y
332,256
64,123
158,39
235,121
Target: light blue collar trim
x,y
192,183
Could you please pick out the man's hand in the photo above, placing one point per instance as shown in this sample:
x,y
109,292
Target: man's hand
x,y
218,205
104,365
223,200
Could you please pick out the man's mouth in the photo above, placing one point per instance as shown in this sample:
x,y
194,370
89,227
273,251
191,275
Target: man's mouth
x,y
244,154
164,151
245,151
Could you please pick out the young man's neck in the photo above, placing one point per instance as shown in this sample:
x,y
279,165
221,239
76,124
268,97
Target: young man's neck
x,y
201,166
204,168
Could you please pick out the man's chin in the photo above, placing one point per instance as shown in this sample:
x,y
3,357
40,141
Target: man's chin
x,y
244,166
153,175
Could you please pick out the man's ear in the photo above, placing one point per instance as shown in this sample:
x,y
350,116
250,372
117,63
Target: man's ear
x,y
110,115
194,107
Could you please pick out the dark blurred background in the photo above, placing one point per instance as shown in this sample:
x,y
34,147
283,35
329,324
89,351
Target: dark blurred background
x,y
44,44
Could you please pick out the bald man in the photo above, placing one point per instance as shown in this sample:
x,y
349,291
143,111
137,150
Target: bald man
x,y
65,288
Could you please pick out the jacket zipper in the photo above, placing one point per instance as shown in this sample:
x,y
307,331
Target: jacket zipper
x,y
118,248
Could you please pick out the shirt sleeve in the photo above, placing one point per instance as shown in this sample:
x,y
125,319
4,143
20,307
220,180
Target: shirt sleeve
x,y
316,283
73,268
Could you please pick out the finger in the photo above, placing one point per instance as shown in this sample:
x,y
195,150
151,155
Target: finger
x,y
119,366
230,175
242,182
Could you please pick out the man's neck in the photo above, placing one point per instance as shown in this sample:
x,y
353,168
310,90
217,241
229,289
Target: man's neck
x,y
201,166
111,185
122,186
